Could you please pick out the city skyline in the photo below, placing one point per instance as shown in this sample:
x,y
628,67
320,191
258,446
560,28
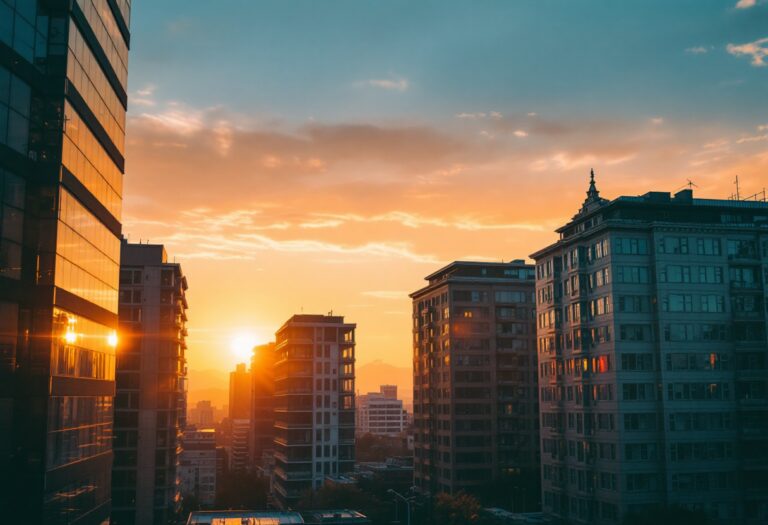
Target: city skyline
x,y
387,116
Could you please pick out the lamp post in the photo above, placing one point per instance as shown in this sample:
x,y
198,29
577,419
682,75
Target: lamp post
x,y
407,501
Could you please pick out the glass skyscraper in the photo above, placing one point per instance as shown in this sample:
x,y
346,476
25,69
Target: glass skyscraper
x,y
63,69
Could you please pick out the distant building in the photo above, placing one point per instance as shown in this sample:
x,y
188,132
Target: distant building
x,y
654,358
474,380
262,407
388,391
150,403
381,413
240,393
202,415
197,466
239,447
314,404
63,99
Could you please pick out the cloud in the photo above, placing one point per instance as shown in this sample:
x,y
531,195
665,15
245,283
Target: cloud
x,y
758,50
520,133
390,84
745,4
387,294
414,220
698,50
657,121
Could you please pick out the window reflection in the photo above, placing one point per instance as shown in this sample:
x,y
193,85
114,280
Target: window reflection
x,y
87,255
101,20
85,73
81,347
86,158
15,97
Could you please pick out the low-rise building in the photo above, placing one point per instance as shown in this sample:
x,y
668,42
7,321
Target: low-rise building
x,y
381,413
197,466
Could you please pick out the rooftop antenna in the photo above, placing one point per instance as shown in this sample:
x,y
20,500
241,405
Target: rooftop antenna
x,y
690,185
738,196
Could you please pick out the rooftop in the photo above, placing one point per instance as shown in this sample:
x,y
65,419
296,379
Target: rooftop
x,y
246,517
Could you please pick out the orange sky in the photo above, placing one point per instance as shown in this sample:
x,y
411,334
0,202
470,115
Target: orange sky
x,y
269,219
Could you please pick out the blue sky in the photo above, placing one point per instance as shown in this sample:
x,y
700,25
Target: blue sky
x,y
314,59
327,155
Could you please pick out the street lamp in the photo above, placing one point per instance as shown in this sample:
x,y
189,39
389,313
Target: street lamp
x,y
407,501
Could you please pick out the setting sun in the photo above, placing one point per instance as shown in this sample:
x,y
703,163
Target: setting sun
x,y
241,345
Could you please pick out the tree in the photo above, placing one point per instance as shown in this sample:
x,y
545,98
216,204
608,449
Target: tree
x,y
458,509
667,515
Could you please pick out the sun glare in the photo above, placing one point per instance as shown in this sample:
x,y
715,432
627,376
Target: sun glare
x,y
242,345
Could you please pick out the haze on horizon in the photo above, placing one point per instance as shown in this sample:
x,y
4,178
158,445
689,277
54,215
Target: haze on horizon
x,y
317,156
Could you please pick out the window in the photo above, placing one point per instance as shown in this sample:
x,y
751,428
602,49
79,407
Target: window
x,y
630,246
632,274
708,246
673,245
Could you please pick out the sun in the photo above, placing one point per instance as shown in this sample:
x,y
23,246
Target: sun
x,y
241,346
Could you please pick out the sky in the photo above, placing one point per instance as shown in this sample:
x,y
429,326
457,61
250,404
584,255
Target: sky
x,y
316,156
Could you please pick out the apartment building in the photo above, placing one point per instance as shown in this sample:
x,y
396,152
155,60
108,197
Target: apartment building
x,y
262,407
381,413
150,403
314,404
475,403
197,466
653,358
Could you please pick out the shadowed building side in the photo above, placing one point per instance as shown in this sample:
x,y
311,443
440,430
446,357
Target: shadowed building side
x,y
653,358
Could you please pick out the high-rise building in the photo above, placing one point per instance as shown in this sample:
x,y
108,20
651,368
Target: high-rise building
x,y
653,358
262,406
63,69
475,404
240,393
202,416
150,404
314,404
381,413
197,466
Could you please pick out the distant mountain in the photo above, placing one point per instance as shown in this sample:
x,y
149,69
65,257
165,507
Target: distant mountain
x,y
209,384
369,376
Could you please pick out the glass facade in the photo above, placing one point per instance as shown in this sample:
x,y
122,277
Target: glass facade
x,y
15,99
87,255
22,29
86,158
11,223
86,74
63,76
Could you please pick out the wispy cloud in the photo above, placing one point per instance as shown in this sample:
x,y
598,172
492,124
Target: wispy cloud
x,y
745,4
390,84
758,50
412,220
392,295
698,50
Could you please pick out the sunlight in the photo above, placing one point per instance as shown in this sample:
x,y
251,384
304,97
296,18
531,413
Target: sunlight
x,y
241,345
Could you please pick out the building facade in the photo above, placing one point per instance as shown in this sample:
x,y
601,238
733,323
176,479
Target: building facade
x,y
653,358
197,466
202,415
150,404
63,70
262,407
240,393
314,404
475,406
381,413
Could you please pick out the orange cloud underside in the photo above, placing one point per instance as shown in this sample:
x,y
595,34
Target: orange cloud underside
x,y
350,218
